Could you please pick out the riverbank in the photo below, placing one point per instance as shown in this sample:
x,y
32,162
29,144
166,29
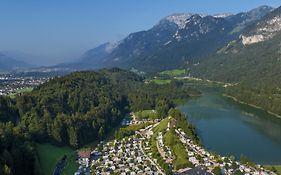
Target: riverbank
x,y
252,105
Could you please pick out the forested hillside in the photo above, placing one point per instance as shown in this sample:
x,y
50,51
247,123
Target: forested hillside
x,y
74,110
255,69
252,63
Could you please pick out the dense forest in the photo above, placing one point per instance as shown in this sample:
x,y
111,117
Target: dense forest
x,y
74,110
266,98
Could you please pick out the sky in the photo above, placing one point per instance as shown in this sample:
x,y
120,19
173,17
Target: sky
x,y
54,31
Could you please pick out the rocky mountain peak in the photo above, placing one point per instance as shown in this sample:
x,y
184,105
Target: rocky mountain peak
x,y
180,18
265,29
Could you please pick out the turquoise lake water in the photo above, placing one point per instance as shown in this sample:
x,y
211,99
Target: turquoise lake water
x,y
229,128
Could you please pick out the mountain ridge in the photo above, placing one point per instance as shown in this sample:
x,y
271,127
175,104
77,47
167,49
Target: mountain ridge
x,y
157,49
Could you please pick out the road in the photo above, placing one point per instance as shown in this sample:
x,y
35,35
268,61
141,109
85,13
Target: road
x,y
60,165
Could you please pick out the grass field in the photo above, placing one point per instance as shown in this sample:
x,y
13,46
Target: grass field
x,y
169,138
161,82
49,156
24,90
21,91
137,126
179,153
146,114
277,167
181,160
175,72
161,126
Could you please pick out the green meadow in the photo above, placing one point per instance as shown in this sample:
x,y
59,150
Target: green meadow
x,y
50,155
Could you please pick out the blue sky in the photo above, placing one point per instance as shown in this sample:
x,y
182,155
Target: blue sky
x,y
63,29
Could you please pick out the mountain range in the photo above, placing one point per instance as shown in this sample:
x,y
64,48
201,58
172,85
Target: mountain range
x,y
242,49
203,43
8,63
178,40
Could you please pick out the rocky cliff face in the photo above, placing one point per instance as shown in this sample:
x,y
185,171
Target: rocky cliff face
x,y
264,29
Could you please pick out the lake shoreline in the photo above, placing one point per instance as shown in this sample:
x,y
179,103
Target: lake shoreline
x,y
252,105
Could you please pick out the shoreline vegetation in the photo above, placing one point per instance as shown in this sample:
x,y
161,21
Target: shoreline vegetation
x,y
252,105
224,85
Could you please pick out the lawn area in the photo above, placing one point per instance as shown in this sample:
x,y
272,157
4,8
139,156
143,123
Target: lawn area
x,y
161,82
178,149
277,167
170,138
129,130
136,127
161,126
24,90
175,72
181,160
21,91
49,155
146,114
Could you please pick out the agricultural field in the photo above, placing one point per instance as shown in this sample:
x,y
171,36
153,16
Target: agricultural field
x,y
161,82
147,114
175,72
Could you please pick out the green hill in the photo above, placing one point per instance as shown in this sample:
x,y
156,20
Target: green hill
x,y
74,110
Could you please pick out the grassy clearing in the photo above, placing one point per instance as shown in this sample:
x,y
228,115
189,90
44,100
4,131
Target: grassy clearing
x,y
147,114
180,156
277,167
181,160
175,72
129,130
24,90
161,82
178,149
137,127
50,155
71,166
169,138
162,126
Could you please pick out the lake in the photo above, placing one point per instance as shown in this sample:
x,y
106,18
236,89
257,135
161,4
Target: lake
x,y
230,128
